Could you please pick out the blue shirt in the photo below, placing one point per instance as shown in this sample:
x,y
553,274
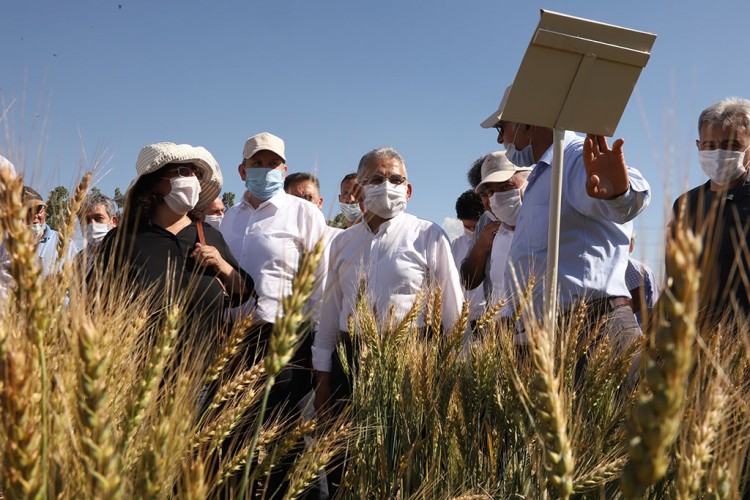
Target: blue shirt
x,y
594,234
47,251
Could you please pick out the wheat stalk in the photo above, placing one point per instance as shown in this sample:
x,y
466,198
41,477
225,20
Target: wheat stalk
x,y
696,449
96,423
240,331
146,390
656,419
285,336
65,230
21,422
550,416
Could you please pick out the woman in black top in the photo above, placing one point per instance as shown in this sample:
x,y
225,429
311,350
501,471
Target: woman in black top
x,y
159,244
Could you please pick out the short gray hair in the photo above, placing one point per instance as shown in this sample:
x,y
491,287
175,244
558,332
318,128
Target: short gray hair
x,y
730,112
94,200
377,154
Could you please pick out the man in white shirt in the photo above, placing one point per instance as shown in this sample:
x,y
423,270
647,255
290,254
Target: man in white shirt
x,y
267,232
399,254
393,256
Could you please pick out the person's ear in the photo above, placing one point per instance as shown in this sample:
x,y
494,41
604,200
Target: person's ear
x,y
408,191
241,170
114,221
320,202
698,144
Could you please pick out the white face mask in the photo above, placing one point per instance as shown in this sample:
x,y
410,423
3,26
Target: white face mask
x,y
37,229
351,211
385,199
469,233
95,233
213,220
722,166
506,205
184,194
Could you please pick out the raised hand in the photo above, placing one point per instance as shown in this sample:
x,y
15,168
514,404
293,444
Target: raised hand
x,y
606,172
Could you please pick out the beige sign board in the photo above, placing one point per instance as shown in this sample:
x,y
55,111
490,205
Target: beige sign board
x,y
577,74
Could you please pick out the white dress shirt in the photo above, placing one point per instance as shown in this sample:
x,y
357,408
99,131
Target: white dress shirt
x,y
460,248
405,256
267,242
499,258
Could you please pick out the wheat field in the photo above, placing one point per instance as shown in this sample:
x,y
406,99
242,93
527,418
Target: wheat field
x,y
102,395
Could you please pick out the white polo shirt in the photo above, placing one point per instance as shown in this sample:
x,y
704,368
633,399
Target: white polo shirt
x,y
406,255
267,242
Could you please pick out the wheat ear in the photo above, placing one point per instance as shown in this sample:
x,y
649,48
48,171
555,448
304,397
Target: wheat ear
x,y
69,222
656,419
99,443
696,451
30,298
547,402
21,422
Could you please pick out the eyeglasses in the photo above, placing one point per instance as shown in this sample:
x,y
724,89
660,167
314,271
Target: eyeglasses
x,y
184,171
500,128
394,179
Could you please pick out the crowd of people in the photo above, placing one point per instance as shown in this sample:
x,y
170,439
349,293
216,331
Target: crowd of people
x,y
241,260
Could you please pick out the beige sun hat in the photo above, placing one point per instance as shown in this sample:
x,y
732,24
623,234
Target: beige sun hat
x,y
5,163
495,117
262,141
496,167
155,156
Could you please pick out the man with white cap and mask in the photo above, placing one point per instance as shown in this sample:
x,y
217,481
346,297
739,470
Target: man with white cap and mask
x,y
268,231
718,210
601,195
503,183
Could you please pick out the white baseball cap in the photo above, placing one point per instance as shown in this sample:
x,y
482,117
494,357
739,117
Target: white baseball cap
x,y
496,167
262,141
495,117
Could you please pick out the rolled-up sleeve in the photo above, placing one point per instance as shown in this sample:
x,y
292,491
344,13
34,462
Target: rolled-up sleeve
x,y
620,209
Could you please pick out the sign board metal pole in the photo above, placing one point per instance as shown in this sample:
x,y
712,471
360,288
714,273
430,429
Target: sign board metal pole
x,y
553,235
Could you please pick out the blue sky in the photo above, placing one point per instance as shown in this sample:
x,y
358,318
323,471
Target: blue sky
x,y
335,79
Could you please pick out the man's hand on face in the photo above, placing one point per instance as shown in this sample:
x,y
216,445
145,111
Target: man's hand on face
x,y
606,172
487,236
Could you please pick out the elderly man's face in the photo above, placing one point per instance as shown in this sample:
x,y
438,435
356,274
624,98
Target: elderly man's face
x,y
307,191
98,215
380,170
714,136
